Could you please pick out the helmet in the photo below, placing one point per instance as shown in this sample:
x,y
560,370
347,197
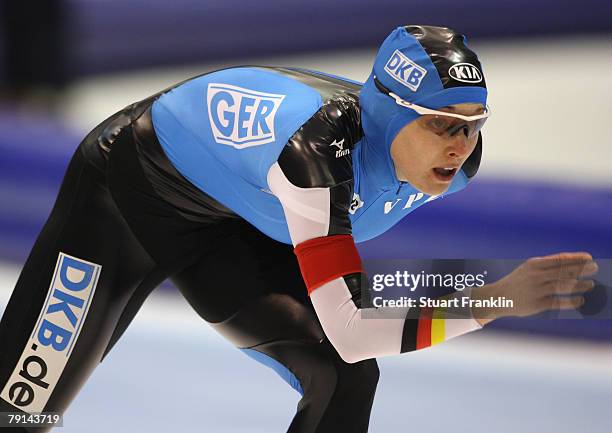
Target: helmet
x,y
418,70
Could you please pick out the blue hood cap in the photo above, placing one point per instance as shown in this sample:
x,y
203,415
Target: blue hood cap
x,y
430,66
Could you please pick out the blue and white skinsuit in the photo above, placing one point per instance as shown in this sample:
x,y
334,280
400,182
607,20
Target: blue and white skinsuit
x,y
214,182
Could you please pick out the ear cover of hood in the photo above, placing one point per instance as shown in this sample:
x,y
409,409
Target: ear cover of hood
x,y
430,66
471,165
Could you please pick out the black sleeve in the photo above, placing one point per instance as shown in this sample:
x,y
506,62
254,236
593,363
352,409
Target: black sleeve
x,y
318,155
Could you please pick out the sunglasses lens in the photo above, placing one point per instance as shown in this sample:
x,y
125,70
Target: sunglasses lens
x,y
476,126
445,125
439,124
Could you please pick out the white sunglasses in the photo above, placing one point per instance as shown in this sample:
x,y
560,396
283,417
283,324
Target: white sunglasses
x,y
475,122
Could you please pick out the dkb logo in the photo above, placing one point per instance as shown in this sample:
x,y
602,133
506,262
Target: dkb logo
x,y
54,336
405,71
241,117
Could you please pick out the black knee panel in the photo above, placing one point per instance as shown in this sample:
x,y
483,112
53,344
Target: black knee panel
x,y
337,396
362,377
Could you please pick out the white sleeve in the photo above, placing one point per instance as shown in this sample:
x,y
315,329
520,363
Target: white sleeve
x,y
307,211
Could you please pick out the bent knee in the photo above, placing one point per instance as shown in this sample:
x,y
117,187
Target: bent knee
x,y
362,376
357,381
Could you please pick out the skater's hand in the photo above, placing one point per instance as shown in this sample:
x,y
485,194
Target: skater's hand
x,y
536,284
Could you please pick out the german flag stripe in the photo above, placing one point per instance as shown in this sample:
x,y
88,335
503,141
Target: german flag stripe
x,y
424,328
438,327
433,328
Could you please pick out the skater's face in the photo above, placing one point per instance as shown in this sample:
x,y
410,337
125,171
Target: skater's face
x,y
428,157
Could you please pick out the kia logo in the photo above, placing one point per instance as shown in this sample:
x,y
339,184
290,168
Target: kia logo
x,y
465,72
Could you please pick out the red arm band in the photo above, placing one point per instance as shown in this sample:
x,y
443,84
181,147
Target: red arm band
x,y
325,259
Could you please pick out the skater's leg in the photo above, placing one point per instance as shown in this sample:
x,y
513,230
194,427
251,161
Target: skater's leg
x,y
252,292
84,269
